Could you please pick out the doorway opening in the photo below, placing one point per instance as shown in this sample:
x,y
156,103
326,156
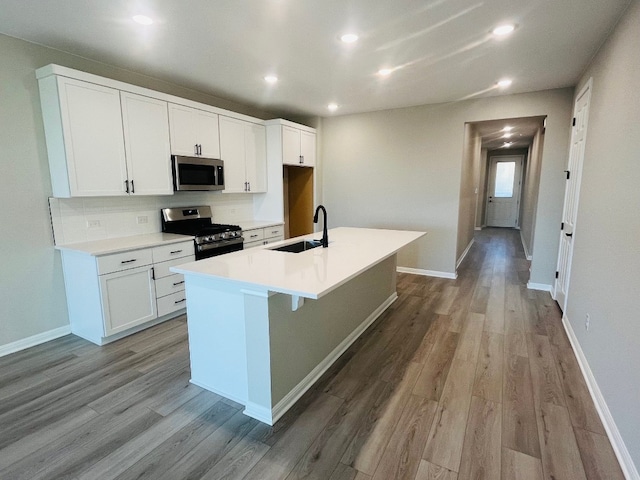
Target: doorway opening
x,y
500,178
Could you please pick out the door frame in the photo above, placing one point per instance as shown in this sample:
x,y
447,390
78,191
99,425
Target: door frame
x,y
577,174
488,188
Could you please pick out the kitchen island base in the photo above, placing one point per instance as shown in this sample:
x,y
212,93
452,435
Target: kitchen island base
x,y
249,345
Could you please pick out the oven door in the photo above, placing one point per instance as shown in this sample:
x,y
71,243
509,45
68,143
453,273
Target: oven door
x,y
194,173
208,250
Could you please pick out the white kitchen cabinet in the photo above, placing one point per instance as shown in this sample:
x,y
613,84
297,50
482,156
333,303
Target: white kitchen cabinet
x,y
193,132
243,150
298,147
146,138
114,295
262,236
128,298
83,128
103,142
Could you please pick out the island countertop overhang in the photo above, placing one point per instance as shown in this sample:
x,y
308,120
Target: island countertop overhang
x,y
310,274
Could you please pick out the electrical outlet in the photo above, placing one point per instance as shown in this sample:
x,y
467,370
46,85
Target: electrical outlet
x,y
142,219
93,223
587,322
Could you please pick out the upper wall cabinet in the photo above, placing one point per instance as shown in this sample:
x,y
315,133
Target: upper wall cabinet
x,y
85,143
146,139
243,150
103,142
298,147
193,132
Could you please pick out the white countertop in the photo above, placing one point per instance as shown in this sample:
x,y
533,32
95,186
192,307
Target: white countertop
x,y
124,244
253,224
310,274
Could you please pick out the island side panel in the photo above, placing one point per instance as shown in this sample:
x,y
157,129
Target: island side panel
x,y
215,320
300,341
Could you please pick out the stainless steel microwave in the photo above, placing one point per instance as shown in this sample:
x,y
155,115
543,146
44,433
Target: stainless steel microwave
x,y
196,173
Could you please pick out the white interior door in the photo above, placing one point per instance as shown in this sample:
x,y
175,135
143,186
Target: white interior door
x,y
503,199
571,195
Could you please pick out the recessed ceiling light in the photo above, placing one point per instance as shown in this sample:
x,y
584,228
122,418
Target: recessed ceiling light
x,y
506,144
349,38
504,83
507,129
506,135
270,79
383,72
332,107
142,19
502,30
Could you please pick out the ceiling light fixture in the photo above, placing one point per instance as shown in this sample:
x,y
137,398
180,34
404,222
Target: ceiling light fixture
x,y
504,83
332,107
506,135
506,144
271,79
349,38
502,30
383,72
142,19
507,128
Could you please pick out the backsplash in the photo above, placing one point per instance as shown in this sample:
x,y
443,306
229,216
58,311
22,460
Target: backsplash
x,y
94,218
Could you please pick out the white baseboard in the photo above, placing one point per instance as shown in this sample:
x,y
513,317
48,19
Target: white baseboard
x,y
477,228
464,254
539,286
34,340
622,453
427,273
259,412
292,397
524,247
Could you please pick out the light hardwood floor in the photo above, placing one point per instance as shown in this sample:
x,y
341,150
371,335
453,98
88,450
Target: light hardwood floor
x,y
460,379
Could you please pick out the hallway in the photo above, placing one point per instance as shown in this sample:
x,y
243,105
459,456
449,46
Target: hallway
x,y
460,379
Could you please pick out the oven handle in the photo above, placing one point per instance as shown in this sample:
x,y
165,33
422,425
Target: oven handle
x,y
219,244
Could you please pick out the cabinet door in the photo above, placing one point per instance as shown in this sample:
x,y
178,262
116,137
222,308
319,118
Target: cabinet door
x,y
128,299
290,145
256,157
146,137
182,126
308,148
232,149
94,145
208,136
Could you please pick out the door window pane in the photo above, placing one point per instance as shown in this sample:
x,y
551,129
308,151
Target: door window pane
x,y
505,172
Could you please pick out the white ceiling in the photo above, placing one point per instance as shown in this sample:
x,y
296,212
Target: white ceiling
x,y
226,47
521,134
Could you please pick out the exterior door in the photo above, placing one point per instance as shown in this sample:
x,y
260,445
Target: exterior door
x,y
571,195
503,202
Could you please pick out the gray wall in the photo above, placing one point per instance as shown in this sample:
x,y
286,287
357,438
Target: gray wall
x,y
605,274
402,169
530,184
469,181
33,295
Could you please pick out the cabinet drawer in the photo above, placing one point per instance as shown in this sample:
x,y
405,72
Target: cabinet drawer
x,y
174,250
248,245
253,235
275,231
124,261
171,284
171,303
162,268
267,241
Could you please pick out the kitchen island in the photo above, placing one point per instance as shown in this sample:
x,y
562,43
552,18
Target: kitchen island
x,y
264,325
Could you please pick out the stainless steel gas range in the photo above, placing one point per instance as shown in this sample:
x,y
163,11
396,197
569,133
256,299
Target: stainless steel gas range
x,y
211,239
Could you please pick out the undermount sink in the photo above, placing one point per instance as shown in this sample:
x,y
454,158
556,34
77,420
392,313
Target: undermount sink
x,y
299,247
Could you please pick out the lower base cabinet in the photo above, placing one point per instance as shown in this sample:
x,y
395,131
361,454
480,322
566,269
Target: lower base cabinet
x,y
262,236
111,296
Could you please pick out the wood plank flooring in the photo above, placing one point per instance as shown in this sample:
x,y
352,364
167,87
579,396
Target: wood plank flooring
x,y
472,378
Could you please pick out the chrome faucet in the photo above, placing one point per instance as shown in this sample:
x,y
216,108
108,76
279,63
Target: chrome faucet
x,y
325,236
